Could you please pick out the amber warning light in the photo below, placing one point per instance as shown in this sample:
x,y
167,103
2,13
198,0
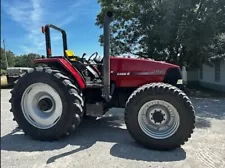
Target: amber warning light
x,y
43,29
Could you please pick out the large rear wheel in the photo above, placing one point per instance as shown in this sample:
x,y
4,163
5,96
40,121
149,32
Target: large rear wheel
x,y
160,116
46,104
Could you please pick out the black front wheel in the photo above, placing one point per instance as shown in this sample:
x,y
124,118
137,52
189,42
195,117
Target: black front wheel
x,y
160,116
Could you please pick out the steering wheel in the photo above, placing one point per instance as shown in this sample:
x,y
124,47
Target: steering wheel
x,y
96,54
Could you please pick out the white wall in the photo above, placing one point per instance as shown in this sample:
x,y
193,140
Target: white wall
x,y
222,64
209,74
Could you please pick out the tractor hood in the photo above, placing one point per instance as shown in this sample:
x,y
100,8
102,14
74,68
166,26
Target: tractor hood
x,y
139,65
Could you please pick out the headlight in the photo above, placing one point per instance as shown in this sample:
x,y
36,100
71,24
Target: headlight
x,y
179,81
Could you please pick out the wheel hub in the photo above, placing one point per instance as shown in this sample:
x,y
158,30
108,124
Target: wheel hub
x,y
157,117
45,104
41,105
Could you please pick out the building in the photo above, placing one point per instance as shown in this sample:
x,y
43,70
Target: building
x,y
213,77
210,76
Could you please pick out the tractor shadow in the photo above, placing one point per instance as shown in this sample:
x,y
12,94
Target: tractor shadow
x,y
106,129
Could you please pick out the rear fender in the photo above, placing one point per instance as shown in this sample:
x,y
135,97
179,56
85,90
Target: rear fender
x,y
66,65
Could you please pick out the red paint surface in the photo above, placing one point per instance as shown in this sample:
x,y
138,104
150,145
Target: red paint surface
x,y
134,65
67,65
120,65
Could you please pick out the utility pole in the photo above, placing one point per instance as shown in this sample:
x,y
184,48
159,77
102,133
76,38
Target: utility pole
x,y
6,60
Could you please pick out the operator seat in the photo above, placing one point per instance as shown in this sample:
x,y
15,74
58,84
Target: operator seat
x,y
70,54
79,65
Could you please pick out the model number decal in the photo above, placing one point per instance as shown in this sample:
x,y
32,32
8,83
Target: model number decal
x,y
123,73
156,72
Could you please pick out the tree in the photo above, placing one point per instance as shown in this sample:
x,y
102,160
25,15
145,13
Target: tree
x,y
17,61
10,58
26,60
217,49
177,31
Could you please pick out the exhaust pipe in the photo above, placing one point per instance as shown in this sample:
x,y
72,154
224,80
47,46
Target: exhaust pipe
x,y
106,59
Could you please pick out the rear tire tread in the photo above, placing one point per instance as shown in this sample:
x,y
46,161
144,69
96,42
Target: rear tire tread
x,y
74,93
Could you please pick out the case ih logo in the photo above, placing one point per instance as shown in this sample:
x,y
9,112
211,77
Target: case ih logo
x,y
156,72
123,73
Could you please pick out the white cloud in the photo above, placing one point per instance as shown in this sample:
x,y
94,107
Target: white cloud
x,y
31,16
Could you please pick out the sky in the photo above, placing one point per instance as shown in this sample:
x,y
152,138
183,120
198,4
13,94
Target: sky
x,y
22,21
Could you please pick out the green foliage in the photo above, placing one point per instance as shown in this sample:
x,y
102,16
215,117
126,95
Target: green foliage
x,y
10,57
26,60
217,48
3,72
177,31
17,61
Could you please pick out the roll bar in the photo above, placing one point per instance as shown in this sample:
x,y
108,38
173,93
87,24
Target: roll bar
x,y
46,31
106,59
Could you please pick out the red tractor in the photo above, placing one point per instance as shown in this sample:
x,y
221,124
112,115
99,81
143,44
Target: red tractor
x,y
50,101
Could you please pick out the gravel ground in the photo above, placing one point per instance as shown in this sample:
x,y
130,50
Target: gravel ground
x,y
106,143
